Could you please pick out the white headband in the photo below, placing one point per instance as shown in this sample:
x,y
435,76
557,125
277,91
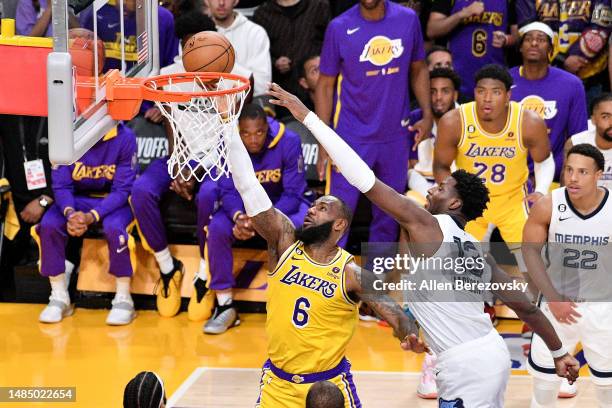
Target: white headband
x,y
537,26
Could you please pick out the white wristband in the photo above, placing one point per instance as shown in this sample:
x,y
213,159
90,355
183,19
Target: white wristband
x,y
544,174
558,353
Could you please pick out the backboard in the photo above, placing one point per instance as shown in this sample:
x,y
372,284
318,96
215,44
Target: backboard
x,y
76,84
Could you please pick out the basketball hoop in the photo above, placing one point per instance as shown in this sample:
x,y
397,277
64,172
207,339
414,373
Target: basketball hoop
x,y
202,109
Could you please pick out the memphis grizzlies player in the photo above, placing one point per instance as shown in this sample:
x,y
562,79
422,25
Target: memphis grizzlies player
x,y
473,361
575,222
313,294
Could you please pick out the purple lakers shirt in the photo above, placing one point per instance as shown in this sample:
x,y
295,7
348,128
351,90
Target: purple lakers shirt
x,y
471,43
108,169
279,167
559,99
372,60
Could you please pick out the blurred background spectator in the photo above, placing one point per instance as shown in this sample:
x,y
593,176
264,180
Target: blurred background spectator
x,y
477,33
307,77
581,37
33,18
250,41
296,29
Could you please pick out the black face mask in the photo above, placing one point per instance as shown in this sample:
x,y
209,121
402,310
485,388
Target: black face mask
x,y
314,235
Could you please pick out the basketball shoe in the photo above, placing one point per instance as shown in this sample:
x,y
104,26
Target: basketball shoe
x,y
225,318
56,310
202,301
122,312
567,390
169,294
427,388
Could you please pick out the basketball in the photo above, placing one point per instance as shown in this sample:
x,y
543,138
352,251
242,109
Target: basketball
x,y
208,51
81,48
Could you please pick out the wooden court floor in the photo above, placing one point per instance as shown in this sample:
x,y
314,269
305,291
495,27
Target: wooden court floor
x,y
99,360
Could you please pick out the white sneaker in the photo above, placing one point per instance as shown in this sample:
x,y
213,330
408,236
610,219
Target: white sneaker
x,y
56,310
122,312
427,388
567,390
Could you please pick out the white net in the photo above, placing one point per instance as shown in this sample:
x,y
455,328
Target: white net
x,y
201,127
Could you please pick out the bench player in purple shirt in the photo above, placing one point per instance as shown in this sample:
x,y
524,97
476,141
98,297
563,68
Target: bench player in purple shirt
x,y
554,94
95,189
371,55
276,153
477,32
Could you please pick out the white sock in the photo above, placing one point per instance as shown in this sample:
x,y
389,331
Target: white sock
x,y
123,288
604,395
58,288
202,273
69,267
164,260
545,393
224,298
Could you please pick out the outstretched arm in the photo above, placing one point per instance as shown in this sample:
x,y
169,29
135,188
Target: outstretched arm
x,y
566,365
404,328
412,217
447,142
271,224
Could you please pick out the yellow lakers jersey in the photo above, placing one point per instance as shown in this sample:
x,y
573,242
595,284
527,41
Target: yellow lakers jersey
x,y
311,318
500,159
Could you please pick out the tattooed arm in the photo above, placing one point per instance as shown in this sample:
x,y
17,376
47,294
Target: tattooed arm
x,y
277,230
270,223
359,284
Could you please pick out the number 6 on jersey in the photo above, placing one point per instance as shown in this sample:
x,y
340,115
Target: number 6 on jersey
x,y
300,312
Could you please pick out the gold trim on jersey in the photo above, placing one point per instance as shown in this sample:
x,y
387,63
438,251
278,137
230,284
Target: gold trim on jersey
x,y
343,282
283,258
469,117
493,135
519,129
462,138
335,259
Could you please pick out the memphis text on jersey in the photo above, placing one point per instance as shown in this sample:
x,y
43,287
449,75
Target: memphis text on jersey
x,y
581,239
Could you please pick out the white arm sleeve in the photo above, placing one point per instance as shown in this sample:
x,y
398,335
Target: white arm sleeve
x,y
544,174
253,195
352,167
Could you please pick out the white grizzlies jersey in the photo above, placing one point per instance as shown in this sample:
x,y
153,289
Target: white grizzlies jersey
x,y
588,136
579,249
450,318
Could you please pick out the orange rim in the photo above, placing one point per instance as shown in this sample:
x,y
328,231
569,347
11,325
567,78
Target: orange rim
x,y
151,91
